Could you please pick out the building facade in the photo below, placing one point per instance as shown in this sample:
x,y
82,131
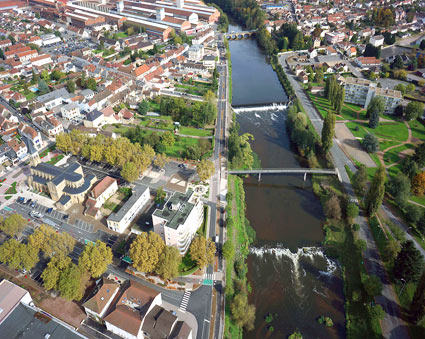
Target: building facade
x,y
361,91
179,219
120,220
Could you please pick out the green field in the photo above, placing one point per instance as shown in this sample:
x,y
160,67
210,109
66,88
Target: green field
x,y
197,132
393,156
392,131
348,112
418,129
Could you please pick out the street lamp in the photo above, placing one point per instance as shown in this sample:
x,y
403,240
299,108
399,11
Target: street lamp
x,y
404,284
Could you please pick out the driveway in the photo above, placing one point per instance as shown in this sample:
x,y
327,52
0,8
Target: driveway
x,y
351,145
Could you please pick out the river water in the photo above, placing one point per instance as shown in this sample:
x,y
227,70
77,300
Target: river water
x,y
288,272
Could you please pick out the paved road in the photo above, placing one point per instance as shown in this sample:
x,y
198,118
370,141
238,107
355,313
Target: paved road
x,y
392,325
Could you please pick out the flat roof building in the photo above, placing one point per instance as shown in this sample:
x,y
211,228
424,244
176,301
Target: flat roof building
x,y
120,220
179,219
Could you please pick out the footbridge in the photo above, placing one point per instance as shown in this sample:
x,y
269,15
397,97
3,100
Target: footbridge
x,y
304,171
239,35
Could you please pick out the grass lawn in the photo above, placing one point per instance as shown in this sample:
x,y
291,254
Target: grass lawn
x,y
194,90
180,146
393,131
394,170
55,159
392,155
418,129
12,189
160,124
199,132
187,266
121,35
111,206
384,144
7,197
122,129
348,112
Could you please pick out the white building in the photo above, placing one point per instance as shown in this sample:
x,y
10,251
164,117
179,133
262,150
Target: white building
x,y
50,39
70,111
54,98
120,220
94,119
361,91
377,40
179,220
196,52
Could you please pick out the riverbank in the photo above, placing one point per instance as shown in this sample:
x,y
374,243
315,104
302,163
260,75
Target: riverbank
x,y
239,236
229,69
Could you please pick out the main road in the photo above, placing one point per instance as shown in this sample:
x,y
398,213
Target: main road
x,y
392,325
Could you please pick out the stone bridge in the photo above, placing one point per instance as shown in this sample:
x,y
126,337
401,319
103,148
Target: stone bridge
x,y
239,35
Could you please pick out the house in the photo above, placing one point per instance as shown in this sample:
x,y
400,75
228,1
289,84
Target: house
x,y
103,190
87,93
120,220
94,119
352,52
179,219
4,153
334,37
124,319
103,295
18,148
377,40
49,125
53,99
31,134
196,52
331,51
303,77
368,62
209,61
70,111
312,53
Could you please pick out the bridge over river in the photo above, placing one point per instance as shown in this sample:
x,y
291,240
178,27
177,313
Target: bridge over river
x,y
239,35
304,171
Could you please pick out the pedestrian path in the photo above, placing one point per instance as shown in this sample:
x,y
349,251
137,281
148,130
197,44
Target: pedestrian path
x,y
208,279
185,301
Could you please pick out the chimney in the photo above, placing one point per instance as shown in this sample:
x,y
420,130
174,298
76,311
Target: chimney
x,y
180,3
160,14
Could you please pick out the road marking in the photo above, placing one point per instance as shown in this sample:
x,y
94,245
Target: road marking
x,y
185,301
207,321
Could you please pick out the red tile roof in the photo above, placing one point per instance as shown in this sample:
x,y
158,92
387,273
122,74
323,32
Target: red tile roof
x,y
102,186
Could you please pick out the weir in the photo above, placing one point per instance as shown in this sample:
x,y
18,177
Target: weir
x,y
268,107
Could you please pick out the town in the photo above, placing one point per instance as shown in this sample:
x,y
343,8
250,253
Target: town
x,y
122,213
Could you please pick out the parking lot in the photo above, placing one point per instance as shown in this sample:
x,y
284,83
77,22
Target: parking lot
x,y
84,225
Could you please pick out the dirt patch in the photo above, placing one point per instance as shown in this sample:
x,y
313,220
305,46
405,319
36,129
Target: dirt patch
x,y
65,310
351,145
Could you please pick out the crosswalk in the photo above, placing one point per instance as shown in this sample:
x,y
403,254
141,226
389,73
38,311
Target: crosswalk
x,y
185,301
208,276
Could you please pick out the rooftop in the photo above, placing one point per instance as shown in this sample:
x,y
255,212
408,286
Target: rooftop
x,y
102,296
176,210
357,81
54,95
137,192
24,322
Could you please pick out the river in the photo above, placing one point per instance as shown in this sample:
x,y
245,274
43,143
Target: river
x,y
289,275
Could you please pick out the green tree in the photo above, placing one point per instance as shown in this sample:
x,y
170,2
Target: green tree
x,y
51,273
328,131
372,285
205,169
169,261
42,87
51,243
408,266
410,88
17,255
376,192
160,195
398,63
401,88
243,313
95,258
70,283
413,213
161,160
57,75
45,75
228,250
70,86
145,251
13,224
143,107
202,251
167,139
375,108
91,84
414,110
360,179
399,187
376,312
352,211
417,308
419,155
371,143
130,172
332,207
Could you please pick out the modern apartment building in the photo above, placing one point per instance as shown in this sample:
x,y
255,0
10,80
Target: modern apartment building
x,y
361,91
120,220
179,219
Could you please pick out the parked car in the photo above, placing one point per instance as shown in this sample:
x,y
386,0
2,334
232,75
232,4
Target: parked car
x,y
49,210
33,204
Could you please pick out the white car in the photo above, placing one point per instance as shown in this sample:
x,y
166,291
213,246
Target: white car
x,y
36,214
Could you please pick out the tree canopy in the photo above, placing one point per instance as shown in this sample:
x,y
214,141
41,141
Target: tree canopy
x,y
95,258
50,242
13,224
408,266
205,169
202,250
169,261
146,250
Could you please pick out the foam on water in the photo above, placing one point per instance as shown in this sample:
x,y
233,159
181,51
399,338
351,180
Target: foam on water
x,y
272,107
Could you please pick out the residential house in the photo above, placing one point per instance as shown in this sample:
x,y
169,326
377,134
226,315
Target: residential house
x,y
377,40
53,99
31,134
368,62
70,111
18,148
94,119
101,299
